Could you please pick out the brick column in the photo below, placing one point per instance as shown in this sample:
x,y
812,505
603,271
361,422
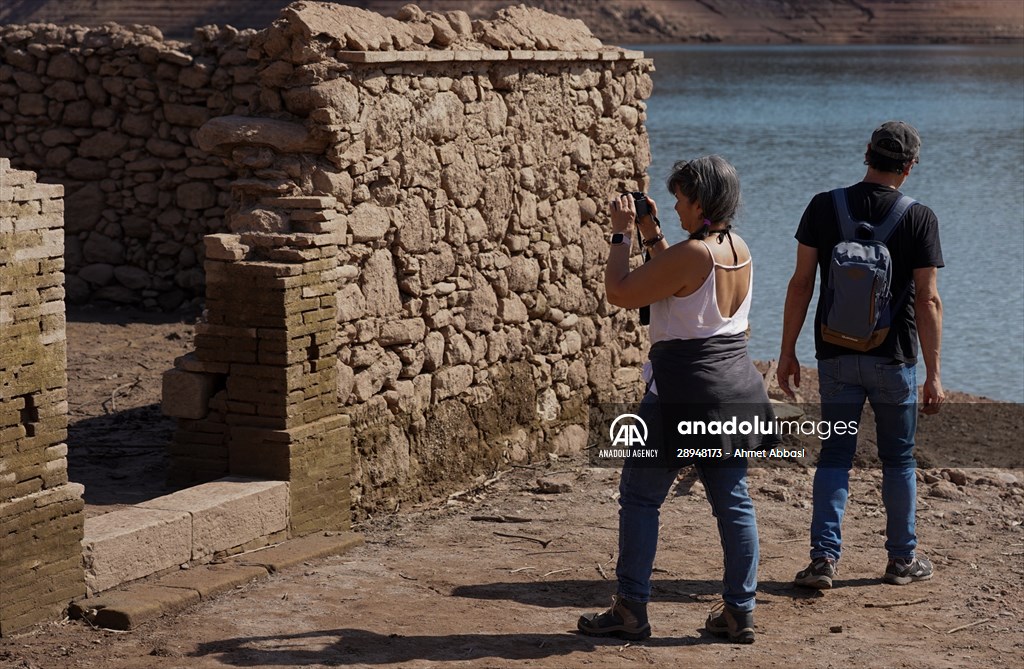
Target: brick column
x,y
266,359
41,515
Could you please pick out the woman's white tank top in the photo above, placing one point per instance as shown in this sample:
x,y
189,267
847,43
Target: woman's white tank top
x,y
696,316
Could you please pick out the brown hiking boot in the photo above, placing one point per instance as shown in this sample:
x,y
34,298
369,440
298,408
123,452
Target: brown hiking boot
x,y
625,619
737,625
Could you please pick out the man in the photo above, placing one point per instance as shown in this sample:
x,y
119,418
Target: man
x,y
885,374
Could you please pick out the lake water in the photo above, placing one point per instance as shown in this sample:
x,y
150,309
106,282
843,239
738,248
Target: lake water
x,y
795,121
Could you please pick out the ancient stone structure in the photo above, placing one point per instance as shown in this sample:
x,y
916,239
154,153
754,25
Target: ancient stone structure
x,y
259,397
459,166
40,512
109,112
404,271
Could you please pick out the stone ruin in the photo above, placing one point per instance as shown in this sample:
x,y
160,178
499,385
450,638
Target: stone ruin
x,y
41,515
399,224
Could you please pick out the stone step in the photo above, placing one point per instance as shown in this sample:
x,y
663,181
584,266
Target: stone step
x,y
189,526
127,607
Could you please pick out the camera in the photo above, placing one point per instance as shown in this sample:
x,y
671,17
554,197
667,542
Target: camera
x,y
640,202
643,208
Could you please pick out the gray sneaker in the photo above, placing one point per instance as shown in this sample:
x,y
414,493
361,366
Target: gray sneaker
x,y
901,571
818,574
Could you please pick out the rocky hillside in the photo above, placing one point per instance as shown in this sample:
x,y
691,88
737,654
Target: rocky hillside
x,y
620,22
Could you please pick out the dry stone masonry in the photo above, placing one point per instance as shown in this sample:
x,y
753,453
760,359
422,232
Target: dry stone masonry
x,y
396,223
40,511
462,167
109,112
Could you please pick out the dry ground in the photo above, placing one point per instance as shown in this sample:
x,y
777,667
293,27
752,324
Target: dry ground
x,y
448,585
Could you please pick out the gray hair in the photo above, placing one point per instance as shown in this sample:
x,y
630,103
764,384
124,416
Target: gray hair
x,y
710,180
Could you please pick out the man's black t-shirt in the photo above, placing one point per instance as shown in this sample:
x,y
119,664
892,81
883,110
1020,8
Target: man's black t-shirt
x,y
913,245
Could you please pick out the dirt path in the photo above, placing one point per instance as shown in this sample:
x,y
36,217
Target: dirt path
x,y
437,588
443,585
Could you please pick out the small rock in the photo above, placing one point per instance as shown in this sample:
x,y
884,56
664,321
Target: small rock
x,y
695,489
931,478
956,476
553,485
1006,478
775,493
836,629
945,490
688,483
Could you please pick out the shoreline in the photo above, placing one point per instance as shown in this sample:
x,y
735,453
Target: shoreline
x,y
627,22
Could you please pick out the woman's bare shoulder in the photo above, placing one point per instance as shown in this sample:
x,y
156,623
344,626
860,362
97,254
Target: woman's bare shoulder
x,y
688,248
742,249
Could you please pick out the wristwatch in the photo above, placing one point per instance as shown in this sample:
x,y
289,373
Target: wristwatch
x,y
653,240
620,238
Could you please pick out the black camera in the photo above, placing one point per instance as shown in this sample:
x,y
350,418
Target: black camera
x,y
640,202
643,208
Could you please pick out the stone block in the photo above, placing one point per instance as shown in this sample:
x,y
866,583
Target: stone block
x,y
131,543
187,394
228,513
127,610
214,579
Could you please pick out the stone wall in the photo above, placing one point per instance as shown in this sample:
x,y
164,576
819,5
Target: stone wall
x,y
467,163
110,113
41,517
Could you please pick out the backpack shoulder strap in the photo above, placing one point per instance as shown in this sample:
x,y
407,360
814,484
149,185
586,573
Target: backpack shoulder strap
x,y
884,229
847,226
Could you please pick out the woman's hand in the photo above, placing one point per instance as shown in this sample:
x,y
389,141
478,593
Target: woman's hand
x,y
623,213
648,225
654,208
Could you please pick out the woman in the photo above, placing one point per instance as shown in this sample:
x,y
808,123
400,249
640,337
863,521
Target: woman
x,y
699,292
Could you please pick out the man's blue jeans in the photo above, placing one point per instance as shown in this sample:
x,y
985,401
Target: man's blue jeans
x,y
891,387
642,489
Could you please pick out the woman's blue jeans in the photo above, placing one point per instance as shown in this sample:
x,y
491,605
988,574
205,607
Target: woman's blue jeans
x,y
642,490
891,387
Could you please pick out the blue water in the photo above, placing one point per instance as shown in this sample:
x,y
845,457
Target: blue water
x,y
795,121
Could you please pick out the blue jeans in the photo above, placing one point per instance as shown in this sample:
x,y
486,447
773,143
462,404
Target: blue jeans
x,y
642,489
891,387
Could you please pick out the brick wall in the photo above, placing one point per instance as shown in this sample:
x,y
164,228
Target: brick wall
x,y
259,396
41,516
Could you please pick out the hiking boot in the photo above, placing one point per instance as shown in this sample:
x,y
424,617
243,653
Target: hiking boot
x,y
818,574
737,625
625,620
901,571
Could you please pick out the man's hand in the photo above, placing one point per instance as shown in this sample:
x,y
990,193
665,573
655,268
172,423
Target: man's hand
x,y
789,366
932,395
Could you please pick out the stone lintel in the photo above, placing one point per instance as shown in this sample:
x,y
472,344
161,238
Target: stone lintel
x,y
437,56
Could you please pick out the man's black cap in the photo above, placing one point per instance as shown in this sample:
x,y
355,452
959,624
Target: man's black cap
x,y
896,140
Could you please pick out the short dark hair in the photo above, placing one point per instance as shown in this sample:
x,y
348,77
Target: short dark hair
x,y
877,161
710,180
